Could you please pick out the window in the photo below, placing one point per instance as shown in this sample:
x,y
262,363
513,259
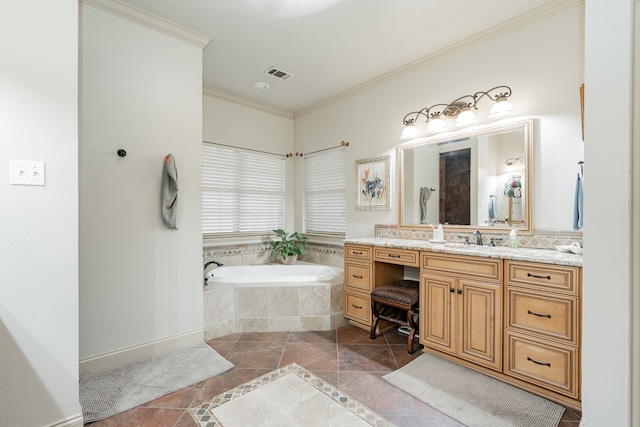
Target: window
x,y
243,191
325,192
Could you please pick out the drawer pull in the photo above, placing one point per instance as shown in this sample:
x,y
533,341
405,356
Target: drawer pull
x,y
393,256
538,363
539,315
357,253
356,277
538,277
359,307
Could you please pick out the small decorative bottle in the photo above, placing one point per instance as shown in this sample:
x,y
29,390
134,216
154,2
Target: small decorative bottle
x,y
513,239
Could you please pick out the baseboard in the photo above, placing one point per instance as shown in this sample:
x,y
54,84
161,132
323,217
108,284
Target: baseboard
x,y
73,421
139,352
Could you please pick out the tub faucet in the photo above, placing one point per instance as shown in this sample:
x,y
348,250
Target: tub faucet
x,y
478,237
219,264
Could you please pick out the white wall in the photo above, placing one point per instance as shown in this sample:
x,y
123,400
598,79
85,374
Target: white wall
x,y
543,66
607,279
140,282
39,227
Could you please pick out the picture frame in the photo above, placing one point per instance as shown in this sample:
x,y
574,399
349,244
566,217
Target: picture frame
x,y
373,184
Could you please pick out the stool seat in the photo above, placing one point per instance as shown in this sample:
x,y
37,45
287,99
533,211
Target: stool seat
x,y
405,292
396,302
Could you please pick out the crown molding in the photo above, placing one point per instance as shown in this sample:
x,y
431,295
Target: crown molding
x,y
226,96
149,20
534,16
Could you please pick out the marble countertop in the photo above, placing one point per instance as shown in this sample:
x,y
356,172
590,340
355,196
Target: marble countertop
x,y
518,254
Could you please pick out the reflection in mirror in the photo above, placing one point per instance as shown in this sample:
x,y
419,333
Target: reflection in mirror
x,y
469,179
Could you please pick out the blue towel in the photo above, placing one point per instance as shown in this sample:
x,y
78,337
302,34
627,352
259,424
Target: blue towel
x,y
578,205
493,208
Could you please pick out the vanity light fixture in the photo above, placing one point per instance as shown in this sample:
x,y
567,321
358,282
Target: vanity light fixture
x,y
461,109
510,163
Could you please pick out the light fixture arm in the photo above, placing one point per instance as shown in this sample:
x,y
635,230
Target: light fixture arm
x,y
457,106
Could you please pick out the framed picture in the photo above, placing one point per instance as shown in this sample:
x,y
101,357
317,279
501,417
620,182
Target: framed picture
x,y
372,184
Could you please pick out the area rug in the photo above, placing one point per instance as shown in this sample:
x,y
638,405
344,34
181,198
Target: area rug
x,y
289,396
103,394
472,398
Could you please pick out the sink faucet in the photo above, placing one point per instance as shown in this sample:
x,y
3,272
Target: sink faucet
x,y
478,237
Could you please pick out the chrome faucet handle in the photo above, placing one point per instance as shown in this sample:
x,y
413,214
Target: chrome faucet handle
x,y
466,240
493,240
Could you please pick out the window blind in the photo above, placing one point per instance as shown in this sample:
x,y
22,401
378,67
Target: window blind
x,y
325,192
243,192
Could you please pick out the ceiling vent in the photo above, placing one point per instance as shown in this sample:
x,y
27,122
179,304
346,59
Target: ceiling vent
x,y
279,74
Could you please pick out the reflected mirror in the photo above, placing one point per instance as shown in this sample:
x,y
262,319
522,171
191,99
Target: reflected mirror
x,y
474,178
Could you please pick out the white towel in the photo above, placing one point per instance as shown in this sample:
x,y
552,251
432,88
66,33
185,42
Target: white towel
x,y
169,192
578,205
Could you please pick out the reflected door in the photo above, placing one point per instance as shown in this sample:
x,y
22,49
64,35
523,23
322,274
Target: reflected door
x,y
455,185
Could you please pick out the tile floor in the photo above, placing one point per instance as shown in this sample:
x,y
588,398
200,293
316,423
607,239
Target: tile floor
x,y
345,357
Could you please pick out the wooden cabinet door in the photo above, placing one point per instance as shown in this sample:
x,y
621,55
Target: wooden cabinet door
x,y
480,322
437,312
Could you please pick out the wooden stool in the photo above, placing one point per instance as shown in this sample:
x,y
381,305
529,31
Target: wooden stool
x,y
397,302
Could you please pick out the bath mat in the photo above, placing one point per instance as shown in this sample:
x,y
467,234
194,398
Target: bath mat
x,y
103,394
289,396
472,398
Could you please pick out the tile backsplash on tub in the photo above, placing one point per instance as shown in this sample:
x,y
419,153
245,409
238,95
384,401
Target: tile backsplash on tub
x,y
259,253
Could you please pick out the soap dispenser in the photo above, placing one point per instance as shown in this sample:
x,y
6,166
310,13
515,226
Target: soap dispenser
x,y
513,239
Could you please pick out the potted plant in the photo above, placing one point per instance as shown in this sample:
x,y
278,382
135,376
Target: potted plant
x,y
289,246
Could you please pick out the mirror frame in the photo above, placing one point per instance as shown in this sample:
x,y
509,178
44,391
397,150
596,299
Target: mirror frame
x,y
527,127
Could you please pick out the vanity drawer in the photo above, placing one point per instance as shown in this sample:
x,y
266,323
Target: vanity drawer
x,y
358,276
357,252
397,256
357,307
477,267
543,276
550,366
551,316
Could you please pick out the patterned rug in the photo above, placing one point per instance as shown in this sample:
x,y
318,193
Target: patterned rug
x,y
287,397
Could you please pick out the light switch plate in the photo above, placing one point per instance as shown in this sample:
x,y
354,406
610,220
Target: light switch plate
x,y
25,172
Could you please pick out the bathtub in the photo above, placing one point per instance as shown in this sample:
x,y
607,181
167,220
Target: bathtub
x,y
271,273
273,298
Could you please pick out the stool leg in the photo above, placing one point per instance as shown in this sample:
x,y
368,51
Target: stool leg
x,y
412,333
374,321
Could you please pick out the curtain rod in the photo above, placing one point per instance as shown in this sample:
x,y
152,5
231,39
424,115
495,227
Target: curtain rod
x,y
249,149
342,144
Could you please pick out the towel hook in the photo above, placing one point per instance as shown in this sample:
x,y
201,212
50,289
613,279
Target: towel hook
x,y
581,174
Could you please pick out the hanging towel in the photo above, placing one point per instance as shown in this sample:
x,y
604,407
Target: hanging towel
x,y
425,195
493,208
169,192
578,205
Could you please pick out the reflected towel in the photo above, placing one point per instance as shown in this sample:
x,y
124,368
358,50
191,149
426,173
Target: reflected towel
x,y
578,205
493,208
425,195
169,190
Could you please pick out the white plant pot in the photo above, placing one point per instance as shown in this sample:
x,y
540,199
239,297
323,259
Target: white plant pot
x,y
291,259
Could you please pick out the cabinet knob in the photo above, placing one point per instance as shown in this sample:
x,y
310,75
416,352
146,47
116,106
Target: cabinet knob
x,y
460,291
452,290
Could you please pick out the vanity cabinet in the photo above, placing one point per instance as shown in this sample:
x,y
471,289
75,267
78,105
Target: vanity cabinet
x,y
542,336
365,268
461,307
358,283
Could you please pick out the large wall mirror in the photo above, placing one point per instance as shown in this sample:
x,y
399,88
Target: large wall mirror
x,y
479,178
